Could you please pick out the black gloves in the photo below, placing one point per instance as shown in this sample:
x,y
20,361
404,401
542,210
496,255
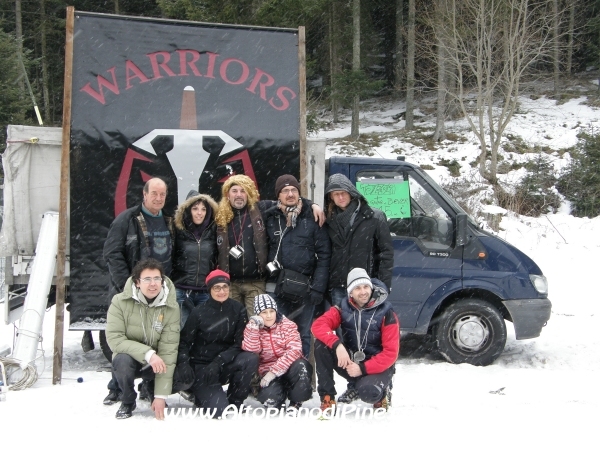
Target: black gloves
x,y
316,297
183,377
212,372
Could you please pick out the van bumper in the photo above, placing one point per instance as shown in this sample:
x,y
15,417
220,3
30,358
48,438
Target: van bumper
x,y
528,316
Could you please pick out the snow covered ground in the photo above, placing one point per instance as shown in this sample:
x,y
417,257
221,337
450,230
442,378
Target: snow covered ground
x,y
542,392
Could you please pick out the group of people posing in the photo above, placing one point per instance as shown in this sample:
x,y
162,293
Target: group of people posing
x,y
227,294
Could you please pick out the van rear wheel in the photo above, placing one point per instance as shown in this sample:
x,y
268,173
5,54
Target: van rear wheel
x,y
471,331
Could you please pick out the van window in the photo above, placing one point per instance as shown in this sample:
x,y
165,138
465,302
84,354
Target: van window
x,y
409,206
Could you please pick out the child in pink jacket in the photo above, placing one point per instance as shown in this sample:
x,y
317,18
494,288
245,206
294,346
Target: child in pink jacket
x,y
283,370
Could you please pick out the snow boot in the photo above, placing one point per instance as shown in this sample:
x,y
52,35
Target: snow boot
x,y
125,410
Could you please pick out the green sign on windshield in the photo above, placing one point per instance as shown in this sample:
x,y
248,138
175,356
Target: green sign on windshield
x,y
390,196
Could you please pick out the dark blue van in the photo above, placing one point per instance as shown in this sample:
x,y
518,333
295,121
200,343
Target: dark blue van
x,y
451,279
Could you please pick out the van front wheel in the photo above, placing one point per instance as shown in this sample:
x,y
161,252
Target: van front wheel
x,y
471,331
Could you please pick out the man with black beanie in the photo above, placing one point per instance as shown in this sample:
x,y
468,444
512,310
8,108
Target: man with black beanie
x,y
296,243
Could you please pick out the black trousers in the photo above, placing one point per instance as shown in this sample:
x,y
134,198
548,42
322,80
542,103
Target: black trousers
x,y
125,370
238,374
371,388
295,384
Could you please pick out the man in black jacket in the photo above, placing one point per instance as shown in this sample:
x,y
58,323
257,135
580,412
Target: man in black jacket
x,y
211,341
298,243
138,233
360,237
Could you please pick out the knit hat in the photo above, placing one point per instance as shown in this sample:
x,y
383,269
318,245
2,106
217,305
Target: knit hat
x,y
215,277
339,182
356,277
285,180
262,302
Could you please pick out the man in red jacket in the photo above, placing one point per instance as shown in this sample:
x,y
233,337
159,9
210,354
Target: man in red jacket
x,y
367,349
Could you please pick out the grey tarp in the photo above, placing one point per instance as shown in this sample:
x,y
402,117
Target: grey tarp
x,y
31,185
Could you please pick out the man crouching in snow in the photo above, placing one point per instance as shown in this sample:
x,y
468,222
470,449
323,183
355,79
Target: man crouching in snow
x,y
367,350
142,328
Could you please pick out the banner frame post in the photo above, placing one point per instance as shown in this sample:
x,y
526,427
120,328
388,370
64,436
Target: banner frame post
x,y
302,98
61,257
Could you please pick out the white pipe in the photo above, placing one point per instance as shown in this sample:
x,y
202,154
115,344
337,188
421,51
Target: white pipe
x,y
40,280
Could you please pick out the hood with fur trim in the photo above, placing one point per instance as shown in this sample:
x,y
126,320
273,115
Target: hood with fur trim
x,y
183,210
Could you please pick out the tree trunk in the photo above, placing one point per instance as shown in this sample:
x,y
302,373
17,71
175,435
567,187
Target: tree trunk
x,y
355,65
555,44
116,6
45,91
399,63
333,60
410,66
19,36
571,33
440,122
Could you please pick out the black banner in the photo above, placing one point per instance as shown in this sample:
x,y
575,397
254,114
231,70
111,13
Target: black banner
x,y
191,103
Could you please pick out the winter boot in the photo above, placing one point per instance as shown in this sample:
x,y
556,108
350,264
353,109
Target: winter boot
x,y
125,410
188,395
270,403
113,397
146,390
349,396
385,402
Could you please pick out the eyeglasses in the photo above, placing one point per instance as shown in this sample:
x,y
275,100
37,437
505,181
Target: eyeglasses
x,y
220,288
289,191
149,280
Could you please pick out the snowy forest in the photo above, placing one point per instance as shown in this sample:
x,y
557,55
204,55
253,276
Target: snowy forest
x,y
354,48
474,58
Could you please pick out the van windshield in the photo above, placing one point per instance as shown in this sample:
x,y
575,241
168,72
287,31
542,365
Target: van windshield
x,y
444,194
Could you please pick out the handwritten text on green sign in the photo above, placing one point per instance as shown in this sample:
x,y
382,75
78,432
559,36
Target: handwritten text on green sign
x,y
390,196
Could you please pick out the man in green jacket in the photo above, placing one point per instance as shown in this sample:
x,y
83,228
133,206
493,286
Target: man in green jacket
x,y
142,329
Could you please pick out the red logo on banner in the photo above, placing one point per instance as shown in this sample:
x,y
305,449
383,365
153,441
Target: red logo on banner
x,y
246,164
123,183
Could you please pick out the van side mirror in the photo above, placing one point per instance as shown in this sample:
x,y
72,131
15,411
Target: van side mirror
x,y
461,229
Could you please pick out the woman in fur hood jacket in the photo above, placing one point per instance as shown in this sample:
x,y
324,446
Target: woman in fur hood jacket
x,y
194,250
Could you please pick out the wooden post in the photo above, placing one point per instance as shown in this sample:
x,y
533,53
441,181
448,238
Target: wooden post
x,y
61,256
302,98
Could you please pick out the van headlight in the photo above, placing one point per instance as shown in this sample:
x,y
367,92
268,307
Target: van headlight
x,y
539,283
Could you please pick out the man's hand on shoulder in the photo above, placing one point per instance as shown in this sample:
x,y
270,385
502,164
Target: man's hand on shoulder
x,y
319,214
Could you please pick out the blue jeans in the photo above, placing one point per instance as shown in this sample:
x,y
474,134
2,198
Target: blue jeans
x,y
186,298
302,315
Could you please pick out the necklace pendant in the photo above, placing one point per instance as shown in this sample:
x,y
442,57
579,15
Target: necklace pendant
x,y
359,356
